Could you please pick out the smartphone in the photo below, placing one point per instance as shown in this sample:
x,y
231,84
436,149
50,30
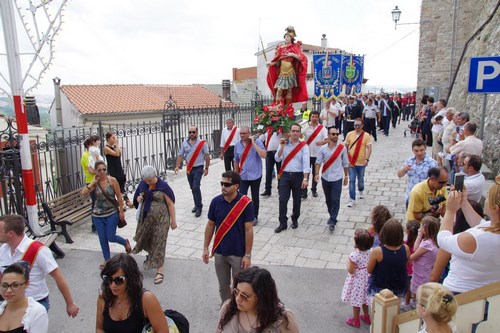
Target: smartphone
x,y
459,181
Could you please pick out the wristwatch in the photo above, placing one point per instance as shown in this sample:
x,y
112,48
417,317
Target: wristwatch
x,y
248,256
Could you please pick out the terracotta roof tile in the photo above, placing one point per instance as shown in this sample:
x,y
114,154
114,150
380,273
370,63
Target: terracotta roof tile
x,y
129,98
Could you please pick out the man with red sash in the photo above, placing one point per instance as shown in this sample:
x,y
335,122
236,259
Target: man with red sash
x,y
293,175
248,155
316,135
272,143
229,137
195,152
333,157
359,149
17,246
230,216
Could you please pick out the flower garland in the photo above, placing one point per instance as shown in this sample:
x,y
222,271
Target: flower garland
x,y
274,118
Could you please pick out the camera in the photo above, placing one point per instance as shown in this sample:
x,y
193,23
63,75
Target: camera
x,y
434,202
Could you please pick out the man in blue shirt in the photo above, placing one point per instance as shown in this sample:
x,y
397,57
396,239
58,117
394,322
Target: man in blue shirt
x,y
231,217
293,176
416,167
248,155
332,173
194,169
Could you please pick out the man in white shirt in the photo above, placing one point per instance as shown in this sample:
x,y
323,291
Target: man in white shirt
x,y
468,142
315,136
229,137
330,113
371,114
16,245
474,181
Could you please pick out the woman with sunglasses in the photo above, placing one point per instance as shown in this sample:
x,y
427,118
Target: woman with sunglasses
x,y
156,216
123,305
18,313
254,306
107,209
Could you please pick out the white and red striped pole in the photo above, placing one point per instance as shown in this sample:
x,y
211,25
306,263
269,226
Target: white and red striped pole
x,y
14,63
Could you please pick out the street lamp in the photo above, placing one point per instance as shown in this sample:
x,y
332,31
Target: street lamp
x,y
396,15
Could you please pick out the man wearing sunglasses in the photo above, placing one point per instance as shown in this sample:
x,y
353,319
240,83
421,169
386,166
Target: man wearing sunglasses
x,y
231,217
333,157
293,175
17,246
195,151
432,187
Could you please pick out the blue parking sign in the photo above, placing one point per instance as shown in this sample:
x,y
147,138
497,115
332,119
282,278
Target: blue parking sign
x,y
484,75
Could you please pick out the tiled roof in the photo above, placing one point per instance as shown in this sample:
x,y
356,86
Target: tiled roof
x,y
130,98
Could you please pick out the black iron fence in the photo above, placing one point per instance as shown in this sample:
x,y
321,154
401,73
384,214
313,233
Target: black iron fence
x,y
56,156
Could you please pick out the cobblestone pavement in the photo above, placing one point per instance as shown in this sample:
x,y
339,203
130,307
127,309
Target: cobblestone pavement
x,y
311,244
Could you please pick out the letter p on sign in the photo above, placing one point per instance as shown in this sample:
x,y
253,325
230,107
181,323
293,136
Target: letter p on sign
x,y
484,75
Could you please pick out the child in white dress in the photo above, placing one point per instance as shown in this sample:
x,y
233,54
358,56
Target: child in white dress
x,y
355,289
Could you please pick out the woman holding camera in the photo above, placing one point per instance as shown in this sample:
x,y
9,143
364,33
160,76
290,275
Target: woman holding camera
x,y
474,252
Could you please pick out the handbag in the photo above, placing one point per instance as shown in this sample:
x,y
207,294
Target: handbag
x,y
121,222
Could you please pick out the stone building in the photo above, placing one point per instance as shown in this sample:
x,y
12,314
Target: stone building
x,y
451,32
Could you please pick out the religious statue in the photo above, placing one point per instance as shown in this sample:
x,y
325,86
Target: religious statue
x,y
287,71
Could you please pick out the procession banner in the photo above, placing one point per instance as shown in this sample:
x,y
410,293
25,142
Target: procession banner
x,y
352,73
327,74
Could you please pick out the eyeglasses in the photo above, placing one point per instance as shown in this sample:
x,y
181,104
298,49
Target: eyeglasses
x,y
357,125
334,134
14,286
102,170
226,184
192,132
119,280
244,296
442,182
294,131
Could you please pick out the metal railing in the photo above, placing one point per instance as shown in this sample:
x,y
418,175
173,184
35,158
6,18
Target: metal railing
x,y
56,156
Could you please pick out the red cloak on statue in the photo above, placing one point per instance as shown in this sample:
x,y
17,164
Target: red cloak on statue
x,y
299,93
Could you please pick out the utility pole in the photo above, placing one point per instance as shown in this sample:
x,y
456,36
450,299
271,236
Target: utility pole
x,y
8,17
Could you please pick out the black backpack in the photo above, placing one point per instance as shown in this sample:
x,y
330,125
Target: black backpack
x,y
179,319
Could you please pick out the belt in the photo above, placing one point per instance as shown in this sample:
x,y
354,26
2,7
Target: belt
x,y
292,173
369,117
351,121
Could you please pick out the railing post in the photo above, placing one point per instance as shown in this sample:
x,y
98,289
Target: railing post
x,y
385,306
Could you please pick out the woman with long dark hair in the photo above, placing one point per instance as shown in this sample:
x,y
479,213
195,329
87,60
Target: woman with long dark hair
x,y
123,305
254,306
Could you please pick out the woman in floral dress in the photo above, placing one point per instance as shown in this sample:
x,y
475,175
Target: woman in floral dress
x,y
155,200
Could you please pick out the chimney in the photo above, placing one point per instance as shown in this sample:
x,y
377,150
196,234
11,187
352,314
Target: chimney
x,y
324,42
32,110
226,90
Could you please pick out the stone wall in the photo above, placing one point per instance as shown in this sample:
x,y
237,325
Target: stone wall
x,y
438,61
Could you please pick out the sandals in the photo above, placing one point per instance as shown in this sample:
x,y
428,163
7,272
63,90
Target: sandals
x,y
366,319
128,248
353,322
158,278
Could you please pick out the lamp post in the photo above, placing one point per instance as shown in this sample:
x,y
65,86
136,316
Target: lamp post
x,y
396,15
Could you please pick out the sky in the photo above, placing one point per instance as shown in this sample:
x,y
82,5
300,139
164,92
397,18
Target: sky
x,y
199,41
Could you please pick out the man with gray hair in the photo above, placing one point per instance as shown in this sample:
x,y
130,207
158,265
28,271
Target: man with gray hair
x,y
468,142
248,155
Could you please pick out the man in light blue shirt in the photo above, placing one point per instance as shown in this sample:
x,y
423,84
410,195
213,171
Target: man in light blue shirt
x,y
331,178
248,163
293,176
188,148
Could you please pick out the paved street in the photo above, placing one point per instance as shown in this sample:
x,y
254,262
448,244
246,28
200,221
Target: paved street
x,y
309,262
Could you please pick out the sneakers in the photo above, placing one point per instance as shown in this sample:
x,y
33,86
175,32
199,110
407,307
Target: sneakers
x,y
353,322
350,203
361,195
405,307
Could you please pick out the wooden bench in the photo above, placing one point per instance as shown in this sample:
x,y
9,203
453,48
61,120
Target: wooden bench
x,y
66,210
48,239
